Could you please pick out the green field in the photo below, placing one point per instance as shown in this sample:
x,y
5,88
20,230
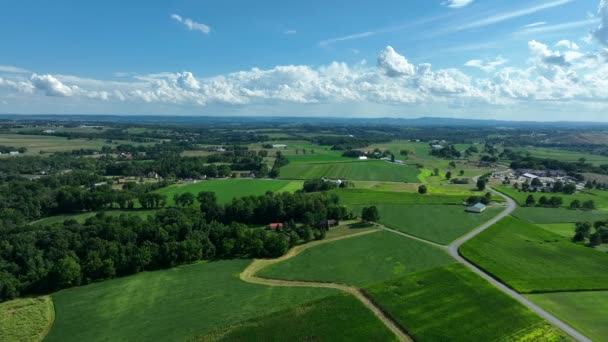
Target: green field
x,y
363,170
227,189
337,318
36,144
359,261
599,196
82,217
563,155
351,197
170,305
26,319
559,215
451,303
585,311
563,229
438,223
532,259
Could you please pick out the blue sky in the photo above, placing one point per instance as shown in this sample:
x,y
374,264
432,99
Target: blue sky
x,y
522,60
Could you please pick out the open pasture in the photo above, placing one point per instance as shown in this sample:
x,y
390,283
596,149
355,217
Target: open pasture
x,y
585,311
351,197
37,144
600,197
170,305
26,319
531,259
558,215
437,223
227,189
363,170
84,216
451,303
563,155
359,261
336,318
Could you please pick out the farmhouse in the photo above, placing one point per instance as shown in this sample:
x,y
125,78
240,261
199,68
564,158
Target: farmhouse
x,y
279,146
13,153
437,147
477,208
529,176
48,131
362,158
274,226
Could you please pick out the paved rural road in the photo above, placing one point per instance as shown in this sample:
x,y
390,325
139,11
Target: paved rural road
x,y
248,275
453,249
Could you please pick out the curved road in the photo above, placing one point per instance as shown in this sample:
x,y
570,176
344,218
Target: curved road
x,y
453,250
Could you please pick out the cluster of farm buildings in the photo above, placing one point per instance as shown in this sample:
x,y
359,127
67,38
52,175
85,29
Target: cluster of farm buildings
x,y
546,177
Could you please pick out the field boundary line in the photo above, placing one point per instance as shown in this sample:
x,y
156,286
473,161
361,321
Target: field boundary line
x,y
413,237
249,275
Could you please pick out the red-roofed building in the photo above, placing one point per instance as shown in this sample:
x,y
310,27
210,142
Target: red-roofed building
x,y
274,226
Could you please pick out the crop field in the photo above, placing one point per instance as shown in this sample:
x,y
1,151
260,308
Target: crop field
x,y
559,215
227,189
531,259
563,155
359,261
82,217
171,305
337,318
363,170
451,303
585,311
600,197
351,197
437,223
26,319
36,144
563,229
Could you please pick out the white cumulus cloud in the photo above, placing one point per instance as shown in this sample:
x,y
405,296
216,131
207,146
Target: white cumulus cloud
x,y
51,86
601,32
394,64
487,66
191,24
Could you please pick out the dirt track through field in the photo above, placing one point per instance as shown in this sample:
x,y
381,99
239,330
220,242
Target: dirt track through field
x,y
248,275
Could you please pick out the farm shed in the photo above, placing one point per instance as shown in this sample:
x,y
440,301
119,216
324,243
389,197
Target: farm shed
x,y
477,208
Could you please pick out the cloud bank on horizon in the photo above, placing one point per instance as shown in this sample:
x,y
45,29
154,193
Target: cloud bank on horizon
x,y
567,75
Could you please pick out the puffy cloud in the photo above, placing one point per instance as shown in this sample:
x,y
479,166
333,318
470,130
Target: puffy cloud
x,y
191,24
487,66
51,86
187,81
542,52
20,86
394,64
601,32
457,3
567,44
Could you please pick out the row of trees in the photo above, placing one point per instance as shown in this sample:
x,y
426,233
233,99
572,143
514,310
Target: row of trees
x,y
593,235
35,259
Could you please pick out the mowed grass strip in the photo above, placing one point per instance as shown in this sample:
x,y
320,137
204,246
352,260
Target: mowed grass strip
x,y
451,303
585,311
359,261
531,259
368,170
600,197
227,189
337,318
170,305
438,223
26,319
84,216
351,197
559,215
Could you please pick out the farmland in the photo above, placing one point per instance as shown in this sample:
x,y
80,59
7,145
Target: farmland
x,y
82,217
227,189
600,197
452,303
359,261
26,319
563,155
531,259
175,304
350,321
352,197
363,170
437,223
558,215
586,311
38,144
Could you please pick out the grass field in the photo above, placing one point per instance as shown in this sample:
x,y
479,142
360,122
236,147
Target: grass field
x,y
26,319
227,189
532,259
171,305
351,197
41,143
599,196
438,223
559,215
337,318
585,311
82,217
370,170
359,261
451,303
563,155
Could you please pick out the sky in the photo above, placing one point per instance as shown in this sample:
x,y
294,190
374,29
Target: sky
x,y
541,60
